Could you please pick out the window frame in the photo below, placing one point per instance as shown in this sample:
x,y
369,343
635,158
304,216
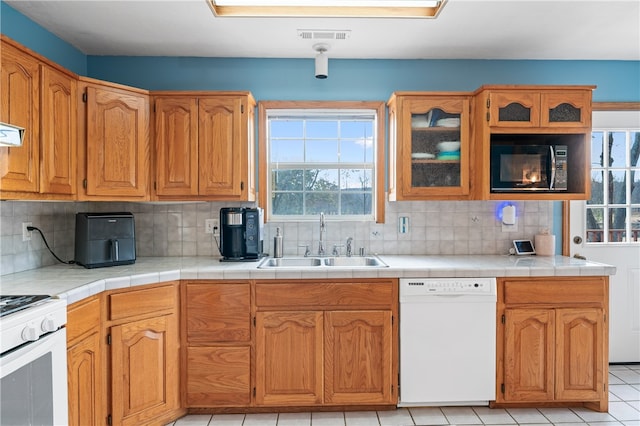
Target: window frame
x,y
379,160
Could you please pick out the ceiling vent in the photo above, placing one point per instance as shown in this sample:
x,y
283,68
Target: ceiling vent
x,y
324,35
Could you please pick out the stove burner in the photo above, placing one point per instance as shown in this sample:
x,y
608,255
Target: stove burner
x,y
11,304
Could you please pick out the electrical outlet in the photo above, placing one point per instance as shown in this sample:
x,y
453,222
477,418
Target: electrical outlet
x,y
26,234
212,226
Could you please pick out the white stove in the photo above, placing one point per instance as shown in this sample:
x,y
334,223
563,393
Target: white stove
x,y
33,360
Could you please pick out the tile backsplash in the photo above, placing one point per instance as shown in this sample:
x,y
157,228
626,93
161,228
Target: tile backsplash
x,y
177,229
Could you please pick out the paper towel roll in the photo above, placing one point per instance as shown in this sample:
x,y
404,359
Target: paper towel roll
x,y
545,244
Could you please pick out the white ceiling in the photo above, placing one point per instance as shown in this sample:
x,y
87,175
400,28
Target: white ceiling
x,y
474,29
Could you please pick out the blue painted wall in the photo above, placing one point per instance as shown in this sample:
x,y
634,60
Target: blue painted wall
x,y
290,79
25,31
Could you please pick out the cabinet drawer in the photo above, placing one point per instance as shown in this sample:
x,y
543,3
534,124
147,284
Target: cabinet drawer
x,y
555,290
140,302
83,317
331,294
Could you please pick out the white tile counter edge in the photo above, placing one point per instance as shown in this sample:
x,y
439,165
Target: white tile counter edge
x,y
74,283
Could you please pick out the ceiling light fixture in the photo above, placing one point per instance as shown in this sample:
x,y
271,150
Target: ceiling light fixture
x,y
329,8
322,60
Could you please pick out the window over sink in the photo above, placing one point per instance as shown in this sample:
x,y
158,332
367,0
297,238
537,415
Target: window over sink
x,y
321,157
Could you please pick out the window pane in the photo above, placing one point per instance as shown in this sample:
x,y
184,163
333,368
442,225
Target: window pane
x,y
322,129
356,129
318,202
635,224
595,225
596,148
597,195
355,179
356,203
359,150
286,128
287,150
321,180
322,151
635,148
617,219
617,187
618,149
288,203
635,186
287,180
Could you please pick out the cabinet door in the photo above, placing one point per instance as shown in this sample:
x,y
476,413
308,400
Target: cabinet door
x,y
59,130
218,313
117,143
529,355
218,376
221,148
20,100
85,382
144,369
289,358
566,109
435,148
358,357
176,146
514,108
579,356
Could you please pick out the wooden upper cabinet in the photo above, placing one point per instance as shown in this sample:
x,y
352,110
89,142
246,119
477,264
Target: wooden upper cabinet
x,y
543,107
176,146
429,146
116,148
59,132
205,146
20,106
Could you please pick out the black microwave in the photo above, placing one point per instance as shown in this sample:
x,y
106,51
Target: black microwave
x,y
523,167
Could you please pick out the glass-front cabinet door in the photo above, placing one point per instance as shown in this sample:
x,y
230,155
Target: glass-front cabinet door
x,y
432,148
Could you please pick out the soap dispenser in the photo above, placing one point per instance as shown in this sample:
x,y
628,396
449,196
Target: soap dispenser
x,y
277,244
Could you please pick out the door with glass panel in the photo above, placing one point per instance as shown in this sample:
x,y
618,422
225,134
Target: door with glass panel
x,y
435,147
606,228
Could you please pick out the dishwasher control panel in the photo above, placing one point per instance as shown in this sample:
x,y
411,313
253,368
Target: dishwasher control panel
x,y
447,286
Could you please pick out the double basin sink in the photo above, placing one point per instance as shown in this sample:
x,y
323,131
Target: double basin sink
x,y
318,262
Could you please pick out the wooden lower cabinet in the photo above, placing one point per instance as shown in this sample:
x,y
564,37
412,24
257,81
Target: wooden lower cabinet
x,y
335,345
554,339
84,363
358,360
144,355
289,361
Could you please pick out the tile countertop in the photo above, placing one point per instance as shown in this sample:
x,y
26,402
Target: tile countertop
x,y
74,282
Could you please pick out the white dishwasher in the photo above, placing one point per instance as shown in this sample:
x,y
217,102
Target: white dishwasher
x,y
447,341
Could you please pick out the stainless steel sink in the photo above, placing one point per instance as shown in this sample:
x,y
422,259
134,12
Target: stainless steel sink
x,y
315,262
290,262
355,262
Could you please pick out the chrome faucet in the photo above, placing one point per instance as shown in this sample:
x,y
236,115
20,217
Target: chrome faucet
x,y
349,248
323,229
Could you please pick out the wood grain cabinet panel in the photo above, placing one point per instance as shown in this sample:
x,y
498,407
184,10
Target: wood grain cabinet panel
x,y
289,358
218,376
20,106
358,357
144,369
553,342
204,145
85,370
116,145
59,132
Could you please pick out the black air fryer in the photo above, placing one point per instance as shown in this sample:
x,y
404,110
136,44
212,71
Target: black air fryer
x,y
105,239
240,234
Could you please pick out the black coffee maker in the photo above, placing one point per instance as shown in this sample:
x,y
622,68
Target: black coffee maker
x,y
241,234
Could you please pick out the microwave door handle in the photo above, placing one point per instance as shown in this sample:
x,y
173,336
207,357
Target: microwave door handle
x,y
115,250
552,181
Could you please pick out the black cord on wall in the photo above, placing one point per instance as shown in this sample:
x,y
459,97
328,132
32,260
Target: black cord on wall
x,y
33,228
